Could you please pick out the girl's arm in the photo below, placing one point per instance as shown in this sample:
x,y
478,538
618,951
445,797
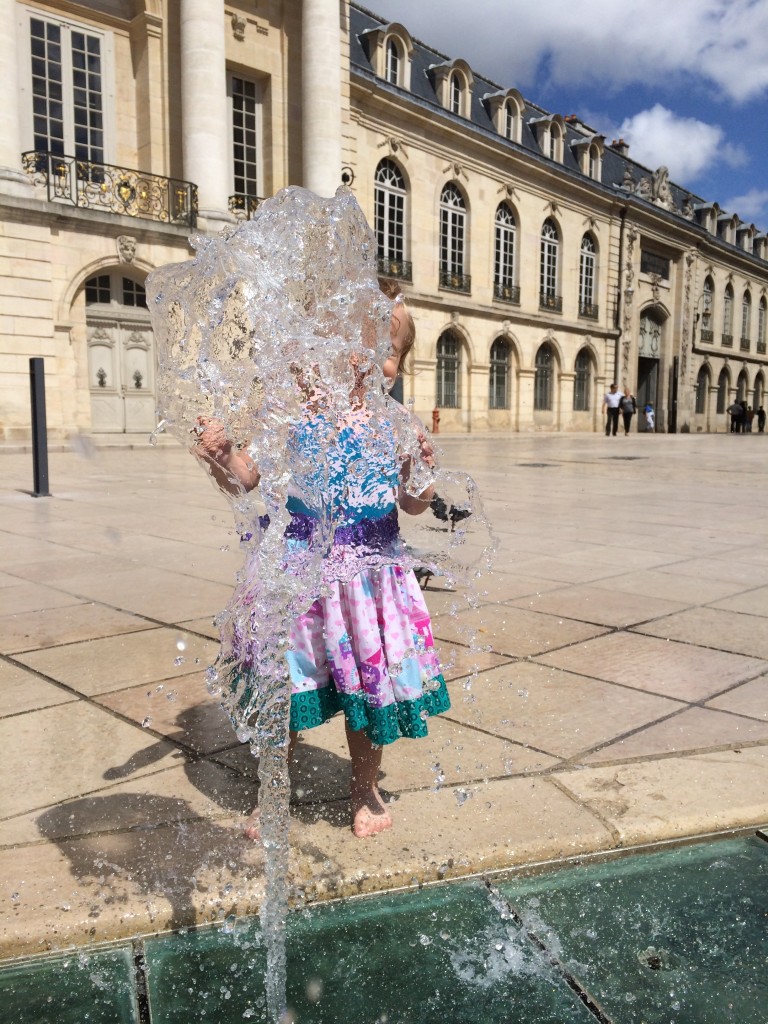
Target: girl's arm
x,y
412,504
231,470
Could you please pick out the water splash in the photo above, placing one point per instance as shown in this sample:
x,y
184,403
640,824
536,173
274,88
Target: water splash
x,y
277,332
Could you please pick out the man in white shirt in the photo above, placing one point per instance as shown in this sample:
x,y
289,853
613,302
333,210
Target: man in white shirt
x,y
611,407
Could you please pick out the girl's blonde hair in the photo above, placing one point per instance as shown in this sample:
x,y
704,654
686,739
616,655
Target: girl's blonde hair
x,y
392,290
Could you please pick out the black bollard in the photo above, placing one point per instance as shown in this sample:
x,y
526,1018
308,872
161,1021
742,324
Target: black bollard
x,y
39,428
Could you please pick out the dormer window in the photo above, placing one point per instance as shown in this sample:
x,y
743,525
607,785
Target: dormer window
x,y
389,49
506,112
455,93
594,163
392,71
509,121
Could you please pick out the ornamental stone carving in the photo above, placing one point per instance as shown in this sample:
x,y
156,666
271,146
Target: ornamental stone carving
x,y
238,26
126,248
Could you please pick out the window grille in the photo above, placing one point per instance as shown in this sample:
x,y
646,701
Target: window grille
x,y
542,389
651,263
587,267
389,211
393,62
452,231
245,136
550,246
582,384
448,372
504,251
498,385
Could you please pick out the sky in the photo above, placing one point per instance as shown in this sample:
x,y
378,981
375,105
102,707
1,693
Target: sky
x,y
684,82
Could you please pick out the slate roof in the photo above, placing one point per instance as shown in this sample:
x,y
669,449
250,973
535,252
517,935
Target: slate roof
x,y
422,92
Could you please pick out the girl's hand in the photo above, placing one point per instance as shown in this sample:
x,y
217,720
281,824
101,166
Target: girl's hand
x,y
426,450
212,439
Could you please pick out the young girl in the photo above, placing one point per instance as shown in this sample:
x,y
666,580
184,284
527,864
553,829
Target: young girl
x,y
365,646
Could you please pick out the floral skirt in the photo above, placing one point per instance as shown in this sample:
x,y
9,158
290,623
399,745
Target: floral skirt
x,y
366,648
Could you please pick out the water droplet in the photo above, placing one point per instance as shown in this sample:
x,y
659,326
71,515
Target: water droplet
x,y
181,643
462,795
425,940
146,723
178,661
314,989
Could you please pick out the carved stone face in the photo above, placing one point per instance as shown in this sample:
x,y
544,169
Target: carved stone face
x,y
126,248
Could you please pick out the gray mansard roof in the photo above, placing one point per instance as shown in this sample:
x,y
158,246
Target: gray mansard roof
x,y
615,166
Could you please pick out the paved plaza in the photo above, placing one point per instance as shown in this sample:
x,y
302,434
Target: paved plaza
x,y
620,696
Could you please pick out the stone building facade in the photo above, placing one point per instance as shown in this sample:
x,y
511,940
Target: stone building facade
x,y
540,261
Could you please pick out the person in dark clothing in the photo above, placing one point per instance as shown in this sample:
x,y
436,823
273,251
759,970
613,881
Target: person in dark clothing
x,y
611,409
761,420
628,408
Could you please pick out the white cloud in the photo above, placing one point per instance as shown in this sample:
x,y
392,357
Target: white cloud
x,y
753,205
723,42
658,137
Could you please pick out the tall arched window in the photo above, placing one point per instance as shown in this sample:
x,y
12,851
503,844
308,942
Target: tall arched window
x,y
542,387
746,320
447,391
594,163
742,385
762,310
504,256
587,275
392,70
708,311
582,384
548,270
728,317
455,93
723,386
510,118
498,383
453,223
389,197
759,392
702,390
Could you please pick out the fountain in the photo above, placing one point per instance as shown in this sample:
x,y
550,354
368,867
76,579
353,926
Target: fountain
x,y
281,314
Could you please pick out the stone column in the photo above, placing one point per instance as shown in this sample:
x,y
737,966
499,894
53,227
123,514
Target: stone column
x,y
204,109
321,95
13,180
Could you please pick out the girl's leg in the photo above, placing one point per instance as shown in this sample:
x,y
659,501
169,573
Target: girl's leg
x,y
369,812
251,827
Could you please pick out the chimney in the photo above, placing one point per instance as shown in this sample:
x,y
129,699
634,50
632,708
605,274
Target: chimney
x,y
621,147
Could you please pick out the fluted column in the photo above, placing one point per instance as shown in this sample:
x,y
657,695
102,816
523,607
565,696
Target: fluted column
x,y
321,95
204,108
13,181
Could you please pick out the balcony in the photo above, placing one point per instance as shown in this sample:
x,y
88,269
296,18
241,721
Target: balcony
x,y
88,185
553,303
506,293
589,310
243,206
400,270
744,344
727,341
455,282
761,348
707,336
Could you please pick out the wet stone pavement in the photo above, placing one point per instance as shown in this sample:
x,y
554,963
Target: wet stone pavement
x,y
621,697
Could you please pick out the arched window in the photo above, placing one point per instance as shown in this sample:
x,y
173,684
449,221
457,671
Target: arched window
x,y
504,256
555,148
448,372
114,288
587,269
582,385
723,386
759,392
746,320
761,315
594,163
392,70
453,218
741,387
728,317
702,390
498,384
548,271
542,387
510,117
708,311
389,198
455,93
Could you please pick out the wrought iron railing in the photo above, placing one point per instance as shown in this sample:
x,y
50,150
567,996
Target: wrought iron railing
x,y
551,302
506,292
104,187
707,336
744,344
589,310
243,205
727,341
400,270
455,282
761,348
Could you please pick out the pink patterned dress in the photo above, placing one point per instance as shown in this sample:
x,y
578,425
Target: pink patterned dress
x,y
365,646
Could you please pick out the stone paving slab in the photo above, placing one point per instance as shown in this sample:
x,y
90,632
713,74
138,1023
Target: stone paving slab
x,y
578,733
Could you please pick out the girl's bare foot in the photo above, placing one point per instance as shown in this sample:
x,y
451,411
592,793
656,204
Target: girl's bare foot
x,y
370,814
251,828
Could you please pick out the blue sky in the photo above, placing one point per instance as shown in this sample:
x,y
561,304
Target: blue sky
x,y
684,82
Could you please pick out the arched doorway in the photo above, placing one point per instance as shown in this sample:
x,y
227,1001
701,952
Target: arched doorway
x,y
121,354
648,359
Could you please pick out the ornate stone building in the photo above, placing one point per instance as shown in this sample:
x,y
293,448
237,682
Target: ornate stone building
x,y
540,260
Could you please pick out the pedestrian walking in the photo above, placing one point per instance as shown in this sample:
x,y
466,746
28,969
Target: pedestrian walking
x,y
611,401
735,411
628,408
761,420
750,418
